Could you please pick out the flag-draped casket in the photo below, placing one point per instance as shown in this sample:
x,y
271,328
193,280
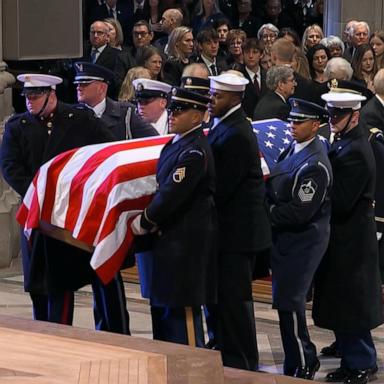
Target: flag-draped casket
x,y
90,195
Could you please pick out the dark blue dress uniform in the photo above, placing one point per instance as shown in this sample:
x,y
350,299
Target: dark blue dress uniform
x,y
52,268
298,191
347,296
182,262
244,230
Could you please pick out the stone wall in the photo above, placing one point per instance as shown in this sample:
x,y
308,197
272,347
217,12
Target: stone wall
x,y
9,200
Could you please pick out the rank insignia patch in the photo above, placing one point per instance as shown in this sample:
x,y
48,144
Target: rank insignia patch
x,y
179,175
307,190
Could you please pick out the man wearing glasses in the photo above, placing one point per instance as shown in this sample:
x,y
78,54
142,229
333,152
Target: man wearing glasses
x,y
100,52
142,36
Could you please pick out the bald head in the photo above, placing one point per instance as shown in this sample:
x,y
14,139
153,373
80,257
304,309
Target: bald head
x,y
171,19
196,70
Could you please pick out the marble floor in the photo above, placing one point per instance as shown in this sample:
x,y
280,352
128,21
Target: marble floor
x,y
14,302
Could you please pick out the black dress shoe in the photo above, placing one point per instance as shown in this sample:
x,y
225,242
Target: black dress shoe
x,y
308,372
340,375
361,376
331,351
211,344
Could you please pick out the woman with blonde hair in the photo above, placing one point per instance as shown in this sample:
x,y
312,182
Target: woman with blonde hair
x,y
127,91
115,33
300,63
180,48
235,40
311,37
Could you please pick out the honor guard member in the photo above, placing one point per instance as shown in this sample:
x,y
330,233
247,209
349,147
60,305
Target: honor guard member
x,y
182,217
244,228
152,100
92,82
298,191
53,270
347,296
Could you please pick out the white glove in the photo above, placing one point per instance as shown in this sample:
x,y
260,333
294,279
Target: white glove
x,y
137,229
379,235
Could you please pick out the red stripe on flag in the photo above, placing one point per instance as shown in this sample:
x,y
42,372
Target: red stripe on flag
x,y
121,174
22,214
115,212
77,185
108,270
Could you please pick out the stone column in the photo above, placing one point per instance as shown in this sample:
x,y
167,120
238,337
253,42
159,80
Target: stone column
x,y
338,12
9,200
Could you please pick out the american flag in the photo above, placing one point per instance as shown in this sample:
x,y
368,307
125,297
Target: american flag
x,y
273,136
94,192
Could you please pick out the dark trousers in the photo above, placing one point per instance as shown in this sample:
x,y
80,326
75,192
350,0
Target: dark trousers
x,y
298,349
171,324
110,309
110,306
357,349
236,328
55,308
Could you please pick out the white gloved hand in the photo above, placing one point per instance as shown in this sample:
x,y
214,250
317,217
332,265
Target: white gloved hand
x,y
379,235
137,229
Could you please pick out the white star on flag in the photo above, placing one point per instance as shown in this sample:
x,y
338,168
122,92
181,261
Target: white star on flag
x,y
271,135
272,128
287,132
268,144
286,141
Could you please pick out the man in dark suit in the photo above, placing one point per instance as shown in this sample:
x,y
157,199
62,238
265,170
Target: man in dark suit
x,y
298,192
99,51
274,104
244,228
252,52
246,21
183,270
347,296
126,12
126,59
208,47
120,118
53,270
282,53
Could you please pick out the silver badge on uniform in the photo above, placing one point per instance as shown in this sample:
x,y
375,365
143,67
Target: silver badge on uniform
x,y
179,175
307,190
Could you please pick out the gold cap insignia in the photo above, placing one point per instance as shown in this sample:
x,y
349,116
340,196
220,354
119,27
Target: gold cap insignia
x,y
174,91
179,175
333,84
188,81
79,67
140,87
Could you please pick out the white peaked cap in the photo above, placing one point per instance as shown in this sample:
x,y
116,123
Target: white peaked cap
x,y
228,82
151,85
343,100
37,80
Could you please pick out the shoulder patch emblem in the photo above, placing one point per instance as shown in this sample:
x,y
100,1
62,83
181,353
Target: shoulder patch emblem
x,y
179,175
307,190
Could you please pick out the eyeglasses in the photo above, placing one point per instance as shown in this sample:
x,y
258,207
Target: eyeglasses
x,y
140,34
97,33
268,37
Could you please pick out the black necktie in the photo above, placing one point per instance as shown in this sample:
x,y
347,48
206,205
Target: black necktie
x,y
213,69
256,83
111,13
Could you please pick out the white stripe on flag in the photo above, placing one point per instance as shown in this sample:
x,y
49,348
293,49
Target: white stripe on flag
x,y
94,181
